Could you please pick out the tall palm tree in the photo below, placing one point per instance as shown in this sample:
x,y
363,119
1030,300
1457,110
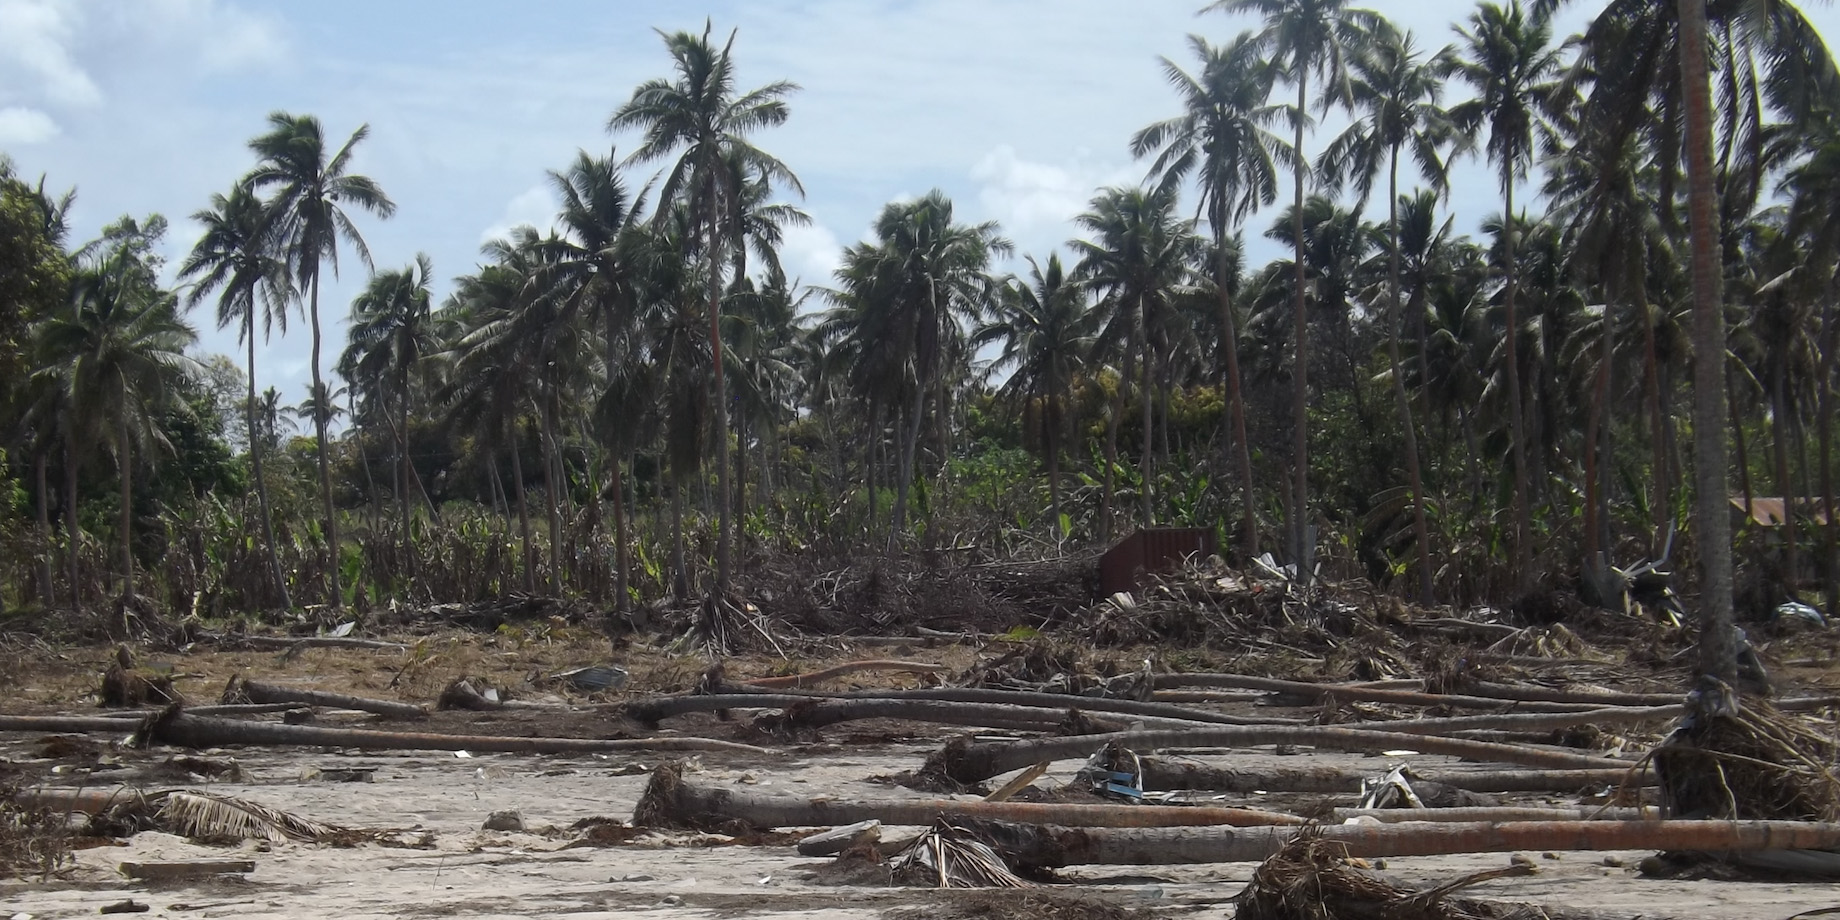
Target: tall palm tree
x,y
1511,63
1222,140
309,214
1396,95
391,332
234,259
1046,326
1305,38
1139,255
118,350
701,113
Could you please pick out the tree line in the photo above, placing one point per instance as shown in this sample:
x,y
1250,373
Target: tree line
x,y
639,401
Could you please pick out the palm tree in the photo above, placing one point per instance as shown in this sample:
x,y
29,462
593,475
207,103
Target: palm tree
x,y
1222,140
308,216
390,334
1396,93
117,350
702,113
1140,255
1513,67
232,257
1046,326
1305,38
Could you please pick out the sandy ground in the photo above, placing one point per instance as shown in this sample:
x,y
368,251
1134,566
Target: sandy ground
x,y
545,871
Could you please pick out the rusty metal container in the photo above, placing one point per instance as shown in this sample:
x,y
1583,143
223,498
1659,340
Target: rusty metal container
x,y
1154,549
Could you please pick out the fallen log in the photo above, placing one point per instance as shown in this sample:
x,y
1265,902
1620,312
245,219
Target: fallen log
x,y
1165,775
965,762
1314,694
461,694
243,690
846,669
90,800
1030,698
124,722
819,713
1530,721
1537,693
185,730
297,642
838,839
1037,846
669,801
1498,813
171,871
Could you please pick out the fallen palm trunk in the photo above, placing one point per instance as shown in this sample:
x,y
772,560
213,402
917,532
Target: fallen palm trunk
x,y
290,642
242,690
1498,813
71,724
845,669
1031,698
966,762
186,730
1535,693
669,801
1207,696
1531,721
819,713
86,799
1163,775
1309,694
1031,846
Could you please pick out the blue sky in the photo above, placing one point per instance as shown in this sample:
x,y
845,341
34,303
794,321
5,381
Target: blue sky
x,y
1017,110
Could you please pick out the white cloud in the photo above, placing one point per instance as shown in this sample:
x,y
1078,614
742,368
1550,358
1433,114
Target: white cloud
x,y
20,125
811,253
1028,196
222,37
535,206
37,37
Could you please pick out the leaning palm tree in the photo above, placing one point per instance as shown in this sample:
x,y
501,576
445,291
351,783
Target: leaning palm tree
x,y
1221,140
705,120
1396,94
391,332
308,216
233,258
1511,63
1046,327
1305,38
118,349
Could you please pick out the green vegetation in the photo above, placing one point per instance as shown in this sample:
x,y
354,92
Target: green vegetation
x,y
642,403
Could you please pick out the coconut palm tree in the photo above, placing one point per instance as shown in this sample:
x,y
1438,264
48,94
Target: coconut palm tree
x,y
1513,67
1222,140
1046,326
1396,95
117,350
310,211
705,120
1305,38
233,259
1139,256
391,332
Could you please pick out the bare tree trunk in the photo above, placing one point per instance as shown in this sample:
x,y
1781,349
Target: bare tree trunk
x,y
1421,527
1779,445
523,510
1517,426
1236,404
621,545
406,471
1663,504
47,592
319,432
551,485
1146,470
721,391
255,462
72,530
1301,548
680,572
125,461
1824,411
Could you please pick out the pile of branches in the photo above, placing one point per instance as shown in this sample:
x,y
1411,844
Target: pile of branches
x,y
1313,879
898,596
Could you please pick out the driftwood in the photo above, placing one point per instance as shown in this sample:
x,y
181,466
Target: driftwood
x,y
966,762
1534,692
125,722
1530,721
1161,775
90,800
186,869
244,690
1499,813
669,801
1314,694
186,730
1090,704
838,839
1026,845
817,713
846,669
302,642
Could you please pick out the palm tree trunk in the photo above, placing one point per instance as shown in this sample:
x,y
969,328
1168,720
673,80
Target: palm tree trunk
x,y
1718,653
1236,404
255,462
1420,526
680,575
904,476
1779,444
721,393
1110,479
523,510
47,592
1517,427
1740,441
72,530
1051,442
406,472
741,467
1145,470
1824,409
1300,372
621,547
1651,374
551,484
319,432
125,461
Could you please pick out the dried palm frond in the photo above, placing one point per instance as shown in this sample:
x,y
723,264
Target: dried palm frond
x,y
203,814
952,857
